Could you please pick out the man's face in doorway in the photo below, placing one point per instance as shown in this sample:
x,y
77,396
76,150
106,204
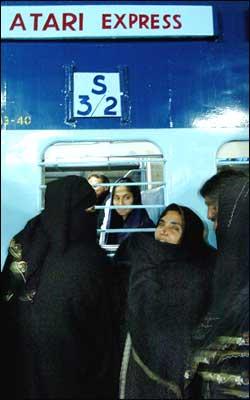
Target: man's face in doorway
x,y
212,210
95,183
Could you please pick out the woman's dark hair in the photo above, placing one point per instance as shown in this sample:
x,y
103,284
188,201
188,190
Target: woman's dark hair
x,y
135,190
217,182
115,220
193,232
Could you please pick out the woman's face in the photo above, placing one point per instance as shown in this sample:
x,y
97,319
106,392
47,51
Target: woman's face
x,y
123,197
170,228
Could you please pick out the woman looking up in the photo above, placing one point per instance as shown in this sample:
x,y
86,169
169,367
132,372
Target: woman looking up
x,y
168,293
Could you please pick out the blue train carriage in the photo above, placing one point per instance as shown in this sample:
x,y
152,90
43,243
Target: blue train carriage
x,y
155,90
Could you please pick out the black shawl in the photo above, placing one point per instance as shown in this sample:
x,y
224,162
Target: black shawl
x,y
62,222
168,295
229,311
52,321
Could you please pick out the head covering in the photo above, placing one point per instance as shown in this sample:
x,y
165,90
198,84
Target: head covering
x,y
137,218
229,311
193,233
63,221
134,189
168,292
65,202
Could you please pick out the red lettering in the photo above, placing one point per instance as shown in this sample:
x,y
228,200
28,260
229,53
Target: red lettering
x,y
165,19
143,20
68,21
120,21
176,19
35,22
132,19
17,21
106,19
51,23
81,19
155,21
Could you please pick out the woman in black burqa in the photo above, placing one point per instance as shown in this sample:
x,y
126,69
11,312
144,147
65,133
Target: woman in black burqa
x,y
225,331
57,317
168,292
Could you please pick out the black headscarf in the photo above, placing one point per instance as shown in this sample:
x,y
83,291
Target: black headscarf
x,y
168,294
229,311
192,241
63,221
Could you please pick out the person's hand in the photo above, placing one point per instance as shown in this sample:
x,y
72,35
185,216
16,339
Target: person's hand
x,y
245,335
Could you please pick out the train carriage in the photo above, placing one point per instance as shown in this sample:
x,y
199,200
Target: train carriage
x,y
154,90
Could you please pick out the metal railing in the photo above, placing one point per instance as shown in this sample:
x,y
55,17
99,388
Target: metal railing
x,y
140,162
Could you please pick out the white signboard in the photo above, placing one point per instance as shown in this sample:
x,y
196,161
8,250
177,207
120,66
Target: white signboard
x,y
96,94
105,21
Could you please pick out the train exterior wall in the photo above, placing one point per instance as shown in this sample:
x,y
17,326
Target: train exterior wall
x,y
171,86
171,83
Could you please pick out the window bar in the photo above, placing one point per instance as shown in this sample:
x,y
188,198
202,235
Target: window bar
x,y
126,230
130,206
124,184
113,163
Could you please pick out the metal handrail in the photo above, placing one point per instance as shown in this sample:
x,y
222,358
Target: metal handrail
x,y
227,162
130,206
131,183
123,184
102,162
122,230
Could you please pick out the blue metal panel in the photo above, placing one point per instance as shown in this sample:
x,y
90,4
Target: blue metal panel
x,y
187,166
171,83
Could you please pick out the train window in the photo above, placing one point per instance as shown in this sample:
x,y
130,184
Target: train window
x,y
143,162
235,155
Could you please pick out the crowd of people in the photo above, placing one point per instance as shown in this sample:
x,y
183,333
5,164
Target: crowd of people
x,y
166,318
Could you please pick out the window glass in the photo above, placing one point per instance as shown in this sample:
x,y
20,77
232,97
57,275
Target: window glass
x,y
234,155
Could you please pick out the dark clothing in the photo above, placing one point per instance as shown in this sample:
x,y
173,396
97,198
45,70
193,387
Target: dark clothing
x,y
224,340
168,293
138,218
101,201
57,320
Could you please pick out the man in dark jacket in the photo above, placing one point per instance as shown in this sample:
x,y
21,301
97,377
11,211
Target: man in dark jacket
x,y
57,319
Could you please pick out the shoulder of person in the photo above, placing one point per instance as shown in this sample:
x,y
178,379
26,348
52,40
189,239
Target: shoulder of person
x,y
28,229
209,260
147,221
87,255
135,241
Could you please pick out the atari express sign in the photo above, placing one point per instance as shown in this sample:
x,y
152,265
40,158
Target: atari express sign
x,y
106,21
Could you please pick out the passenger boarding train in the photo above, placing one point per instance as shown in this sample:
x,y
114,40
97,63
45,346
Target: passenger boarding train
x,y
153,90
